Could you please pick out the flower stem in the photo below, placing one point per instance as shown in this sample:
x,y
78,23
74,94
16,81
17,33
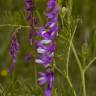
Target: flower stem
x,y
67,78
16,25
77,58
89,64
70,83
81,70
83,83
11,25
69,50
35,72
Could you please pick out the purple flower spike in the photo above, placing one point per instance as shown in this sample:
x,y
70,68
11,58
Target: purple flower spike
x,y
30,8
14,49
46,46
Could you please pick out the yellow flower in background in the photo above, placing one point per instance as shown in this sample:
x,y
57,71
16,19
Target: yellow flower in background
x,y
4,73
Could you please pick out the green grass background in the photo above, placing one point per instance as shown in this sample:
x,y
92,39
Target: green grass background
x,y
79,14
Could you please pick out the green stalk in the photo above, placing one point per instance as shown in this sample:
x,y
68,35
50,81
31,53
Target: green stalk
x,y
67,78
70,4
89,64
77,58
81,70
69,50
35,72
83,83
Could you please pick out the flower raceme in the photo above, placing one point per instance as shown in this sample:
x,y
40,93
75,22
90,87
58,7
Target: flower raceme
x,y
46,46
30,8
14,49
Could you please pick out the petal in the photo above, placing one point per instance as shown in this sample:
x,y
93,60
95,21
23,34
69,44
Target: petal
x,y
39,61
45,41
42,80
46,65
40,50
52,25
41,74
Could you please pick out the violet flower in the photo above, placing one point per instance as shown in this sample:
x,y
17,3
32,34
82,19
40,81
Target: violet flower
x,y
47,77
14,49
30,8
28,57
46,46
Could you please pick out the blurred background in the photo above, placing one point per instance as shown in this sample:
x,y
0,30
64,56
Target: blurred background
x,y
22,82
